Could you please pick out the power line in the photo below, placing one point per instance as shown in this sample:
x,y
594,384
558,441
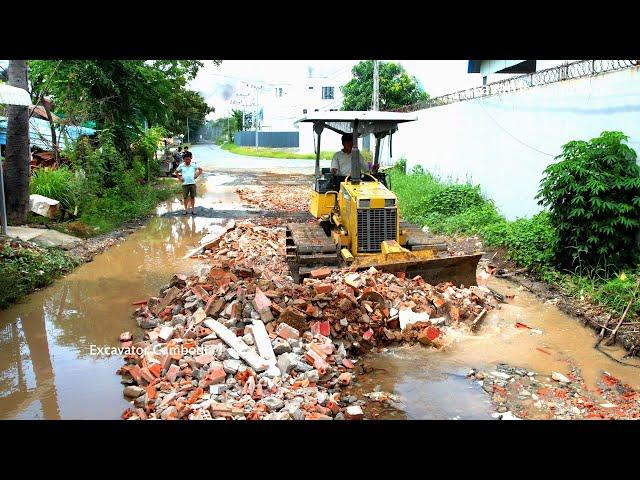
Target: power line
x,y
512,136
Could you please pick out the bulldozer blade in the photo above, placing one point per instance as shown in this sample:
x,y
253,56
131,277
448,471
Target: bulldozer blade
x,y
459,270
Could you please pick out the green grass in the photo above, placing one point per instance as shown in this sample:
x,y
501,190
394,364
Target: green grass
x,y
113,209
612,294
23,270
444,206
273,152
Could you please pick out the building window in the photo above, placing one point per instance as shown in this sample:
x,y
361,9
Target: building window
x,y
327,93
304,111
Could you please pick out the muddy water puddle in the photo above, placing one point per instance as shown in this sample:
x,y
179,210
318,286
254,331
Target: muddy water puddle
x,y
432,385
54,346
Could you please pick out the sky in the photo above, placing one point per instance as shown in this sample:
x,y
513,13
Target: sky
x,y
218,84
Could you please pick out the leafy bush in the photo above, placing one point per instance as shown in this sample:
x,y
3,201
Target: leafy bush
x,y
593,195
529,241
22,270
454,199
59,184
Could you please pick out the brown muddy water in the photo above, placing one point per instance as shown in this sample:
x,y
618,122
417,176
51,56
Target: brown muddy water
x,y
432,384
50,363
51,366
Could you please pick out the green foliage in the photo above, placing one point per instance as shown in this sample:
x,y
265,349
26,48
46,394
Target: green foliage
x,y
447,208
593,196
119,205
397,88
120,94
401,165
22,270
528,241
611,293
454,199
60,184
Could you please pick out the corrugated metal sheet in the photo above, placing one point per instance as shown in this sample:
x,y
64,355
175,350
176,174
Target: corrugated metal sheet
x,y
268,139
40,133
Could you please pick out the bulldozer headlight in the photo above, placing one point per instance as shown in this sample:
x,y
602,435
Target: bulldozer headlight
x,y
389,202
364,203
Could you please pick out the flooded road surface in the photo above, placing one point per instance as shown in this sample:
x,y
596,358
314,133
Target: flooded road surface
x,y
48,367
432,384
49,370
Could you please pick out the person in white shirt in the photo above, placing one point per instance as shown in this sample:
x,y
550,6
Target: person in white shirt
x,y
341,161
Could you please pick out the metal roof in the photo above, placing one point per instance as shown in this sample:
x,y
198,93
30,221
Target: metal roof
x,y
349,116
14,96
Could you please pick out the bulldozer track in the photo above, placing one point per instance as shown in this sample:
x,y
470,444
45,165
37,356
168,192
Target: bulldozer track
x,y
308,247
419,240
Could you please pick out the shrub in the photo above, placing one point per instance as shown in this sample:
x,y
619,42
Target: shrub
x,y
454,199
593,196
59,184
529,241
22,270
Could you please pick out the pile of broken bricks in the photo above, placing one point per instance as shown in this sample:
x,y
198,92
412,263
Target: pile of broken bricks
x,y
283,198
240,342
250,248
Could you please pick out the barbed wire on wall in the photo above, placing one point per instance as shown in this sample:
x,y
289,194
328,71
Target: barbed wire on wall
x,y
579,69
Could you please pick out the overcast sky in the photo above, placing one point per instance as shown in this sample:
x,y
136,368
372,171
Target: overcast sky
x,y
217,84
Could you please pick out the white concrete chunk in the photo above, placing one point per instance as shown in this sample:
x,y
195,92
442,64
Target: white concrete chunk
x,y
247,354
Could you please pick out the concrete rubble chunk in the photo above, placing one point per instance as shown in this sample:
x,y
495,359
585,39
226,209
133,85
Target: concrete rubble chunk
x,y
263,342
558,377
133,391
44,206
353,412
255,361
286,331
165,334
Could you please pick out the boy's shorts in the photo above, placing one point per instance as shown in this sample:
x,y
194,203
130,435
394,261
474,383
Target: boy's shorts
x,y
189,191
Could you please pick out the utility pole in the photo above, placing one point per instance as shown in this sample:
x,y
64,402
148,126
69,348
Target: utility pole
x,y
255,121
376,87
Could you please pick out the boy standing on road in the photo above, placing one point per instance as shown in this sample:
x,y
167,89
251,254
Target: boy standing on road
x,y
187,173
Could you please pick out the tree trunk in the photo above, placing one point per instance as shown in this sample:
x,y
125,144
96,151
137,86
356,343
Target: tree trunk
x,y
54,140
18,158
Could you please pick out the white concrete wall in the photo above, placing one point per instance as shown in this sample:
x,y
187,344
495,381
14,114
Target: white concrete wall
x,y
505,142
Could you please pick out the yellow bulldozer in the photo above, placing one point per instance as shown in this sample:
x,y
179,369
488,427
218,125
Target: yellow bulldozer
x,y
357,218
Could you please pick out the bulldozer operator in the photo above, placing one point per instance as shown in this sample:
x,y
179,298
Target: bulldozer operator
x,y
341,161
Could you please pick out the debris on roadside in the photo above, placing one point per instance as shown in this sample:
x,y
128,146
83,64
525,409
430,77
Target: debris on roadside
x,y
522,394
243,341
284,198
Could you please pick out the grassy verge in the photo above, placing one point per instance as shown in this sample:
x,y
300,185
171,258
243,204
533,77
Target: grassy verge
x,y
109,212
25,268
100,215
273,152
462,210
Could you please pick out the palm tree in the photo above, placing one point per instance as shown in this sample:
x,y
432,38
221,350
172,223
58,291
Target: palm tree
x,y
17,158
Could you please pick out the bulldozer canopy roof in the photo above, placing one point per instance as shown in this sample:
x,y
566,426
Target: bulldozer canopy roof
x,y
368,121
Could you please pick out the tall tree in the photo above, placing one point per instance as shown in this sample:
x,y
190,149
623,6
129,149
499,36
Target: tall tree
x,y
397,88
238,115
120,94
18,157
